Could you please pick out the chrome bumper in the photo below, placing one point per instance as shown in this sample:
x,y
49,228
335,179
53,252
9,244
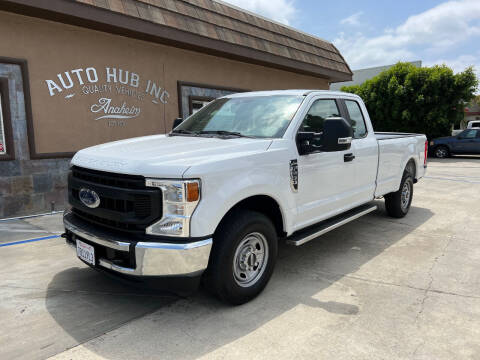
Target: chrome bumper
x,y
152,258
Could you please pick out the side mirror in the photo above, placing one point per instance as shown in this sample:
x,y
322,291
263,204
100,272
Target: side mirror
x,y
177,122
304,140
337,134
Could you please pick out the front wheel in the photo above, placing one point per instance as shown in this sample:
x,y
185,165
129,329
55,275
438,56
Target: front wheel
x,y
398,203
243,257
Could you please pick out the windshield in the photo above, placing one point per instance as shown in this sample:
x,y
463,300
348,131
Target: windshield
x,y
255,116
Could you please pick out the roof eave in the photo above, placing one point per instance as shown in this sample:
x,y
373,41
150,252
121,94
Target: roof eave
x,y
92,17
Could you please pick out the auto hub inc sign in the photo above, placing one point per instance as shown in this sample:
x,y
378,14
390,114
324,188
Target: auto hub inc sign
x,y
117,95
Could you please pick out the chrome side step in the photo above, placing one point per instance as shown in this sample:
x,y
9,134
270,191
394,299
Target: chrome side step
x,y
303,236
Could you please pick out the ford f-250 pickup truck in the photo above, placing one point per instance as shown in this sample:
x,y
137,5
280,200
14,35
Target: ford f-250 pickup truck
x,y
213,198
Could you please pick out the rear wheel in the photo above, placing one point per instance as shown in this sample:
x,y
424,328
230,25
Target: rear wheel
x,y
243,257
442,152
398,203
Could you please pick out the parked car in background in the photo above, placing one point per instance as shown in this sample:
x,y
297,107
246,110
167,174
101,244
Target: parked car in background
x,y
474,124
467,142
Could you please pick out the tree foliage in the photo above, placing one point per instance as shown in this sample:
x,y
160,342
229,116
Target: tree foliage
x,y
427,100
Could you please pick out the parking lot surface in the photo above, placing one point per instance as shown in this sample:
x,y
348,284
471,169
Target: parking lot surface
x,y
377,288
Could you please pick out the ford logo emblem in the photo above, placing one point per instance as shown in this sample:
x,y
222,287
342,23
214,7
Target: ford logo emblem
x,y
89,198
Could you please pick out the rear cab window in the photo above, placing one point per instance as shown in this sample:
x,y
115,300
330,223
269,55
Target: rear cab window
x,y
356,119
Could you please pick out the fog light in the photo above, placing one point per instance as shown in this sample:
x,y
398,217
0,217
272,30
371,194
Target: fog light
x,y
168,226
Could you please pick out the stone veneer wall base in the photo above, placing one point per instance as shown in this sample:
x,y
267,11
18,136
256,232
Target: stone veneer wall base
x,y
28,186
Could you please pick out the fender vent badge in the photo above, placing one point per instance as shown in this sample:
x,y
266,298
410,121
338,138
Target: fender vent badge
x,y
294,175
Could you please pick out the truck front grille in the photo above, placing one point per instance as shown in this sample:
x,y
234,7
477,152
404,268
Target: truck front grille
x,y
126,204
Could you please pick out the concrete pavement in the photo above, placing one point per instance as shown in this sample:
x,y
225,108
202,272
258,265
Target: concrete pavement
x,y
376,288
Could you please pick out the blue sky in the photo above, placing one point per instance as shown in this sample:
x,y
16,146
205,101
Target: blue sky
x,y
372,33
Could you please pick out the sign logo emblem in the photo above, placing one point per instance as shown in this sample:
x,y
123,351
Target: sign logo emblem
x,y
89,198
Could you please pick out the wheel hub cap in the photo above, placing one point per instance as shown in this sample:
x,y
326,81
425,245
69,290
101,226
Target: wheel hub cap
x,y
405,195
250,259
441,152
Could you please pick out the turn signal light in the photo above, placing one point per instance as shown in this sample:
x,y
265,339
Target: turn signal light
x,y
193,191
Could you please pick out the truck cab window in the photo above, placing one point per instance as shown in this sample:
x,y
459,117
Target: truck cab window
x,y
356,118
319,111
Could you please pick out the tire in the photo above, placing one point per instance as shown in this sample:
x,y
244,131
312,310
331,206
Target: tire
x,y
398,203
235,273
442,152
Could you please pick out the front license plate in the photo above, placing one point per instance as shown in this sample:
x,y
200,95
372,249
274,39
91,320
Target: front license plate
x,y
86,252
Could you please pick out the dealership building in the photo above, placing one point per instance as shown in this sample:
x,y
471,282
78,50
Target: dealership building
x,y
76,73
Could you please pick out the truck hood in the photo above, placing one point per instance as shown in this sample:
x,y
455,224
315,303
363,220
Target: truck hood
x,y
165,156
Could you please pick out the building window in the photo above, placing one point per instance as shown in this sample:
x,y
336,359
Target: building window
x,y
192,97
6,140
198,102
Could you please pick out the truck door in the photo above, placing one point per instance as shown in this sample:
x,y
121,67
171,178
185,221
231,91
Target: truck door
x,y
325,179
365,149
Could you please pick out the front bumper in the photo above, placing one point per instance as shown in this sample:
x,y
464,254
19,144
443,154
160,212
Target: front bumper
x,y
151,259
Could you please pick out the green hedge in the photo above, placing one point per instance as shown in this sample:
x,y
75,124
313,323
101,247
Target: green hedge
x,y
427,100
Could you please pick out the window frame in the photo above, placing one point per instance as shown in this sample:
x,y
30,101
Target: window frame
x,y
348,118
7,121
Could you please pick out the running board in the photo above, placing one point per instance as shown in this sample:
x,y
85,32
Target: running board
x,y
312,232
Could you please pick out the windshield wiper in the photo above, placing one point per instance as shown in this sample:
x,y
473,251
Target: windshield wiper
x,y
182,131
225,133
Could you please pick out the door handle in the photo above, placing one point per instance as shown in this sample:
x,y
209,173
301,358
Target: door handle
x,y
348,157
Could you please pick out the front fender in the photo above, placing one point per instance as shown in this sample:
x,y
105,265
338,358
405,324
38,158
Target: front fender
x,y
221,191
209,217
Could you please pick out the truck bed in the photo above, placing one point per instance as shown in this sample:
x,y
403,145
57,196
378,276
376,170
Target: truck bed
x,y
394,151
393,135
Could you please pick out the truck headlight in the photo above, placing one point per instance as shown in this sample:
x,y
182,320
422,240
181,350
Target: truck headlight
x,y
180,198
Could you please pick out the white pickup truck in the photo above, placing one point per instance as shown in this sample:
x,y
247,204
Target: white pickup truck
x,y
213,198
474,124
